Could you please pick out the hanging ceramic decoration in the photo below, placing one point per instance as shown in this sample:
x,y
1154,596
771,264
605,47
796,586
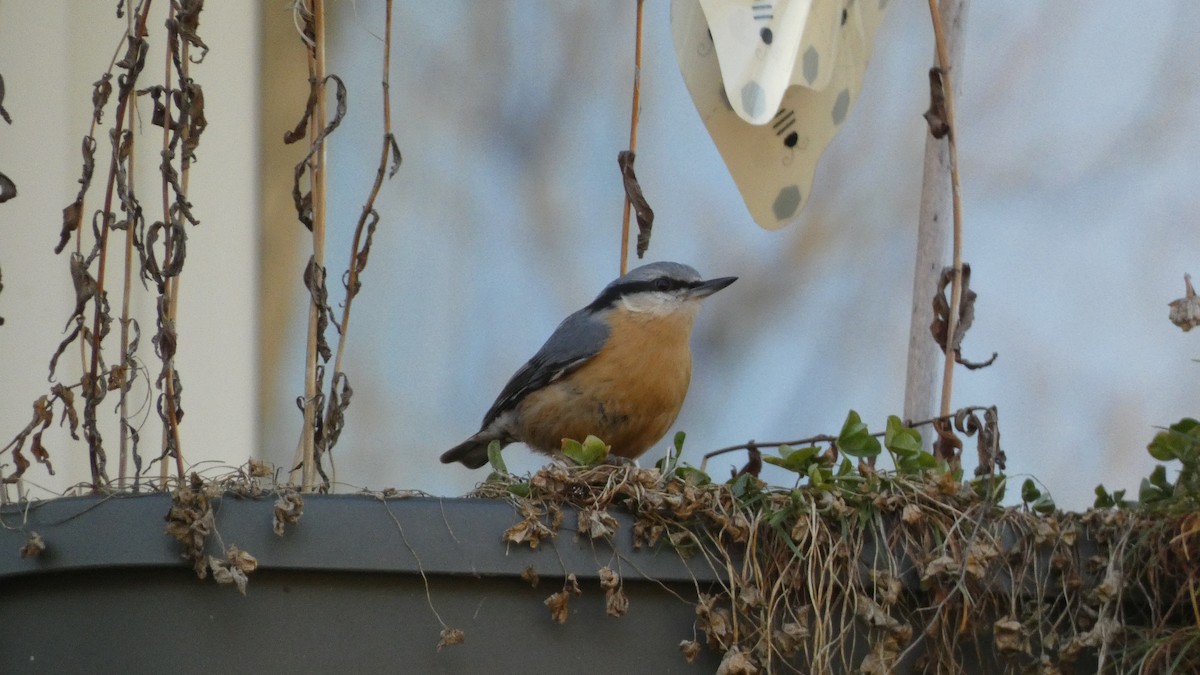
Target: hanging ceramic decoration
x,y
773,82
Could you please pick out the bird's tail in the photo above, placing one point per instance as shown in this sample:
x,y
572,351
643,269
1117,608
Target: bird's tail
x,y
471,452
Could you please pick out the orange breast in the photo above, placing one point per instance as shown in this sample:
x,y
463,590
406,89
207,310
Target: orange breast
x,y
628,395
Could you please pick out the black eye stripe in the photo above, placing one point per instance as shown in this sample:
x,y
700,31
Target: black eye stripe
x,y
614,293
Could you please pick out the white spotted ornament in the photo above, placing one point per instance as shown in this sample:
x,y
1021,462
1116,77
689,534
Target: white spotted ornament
x,y
773,82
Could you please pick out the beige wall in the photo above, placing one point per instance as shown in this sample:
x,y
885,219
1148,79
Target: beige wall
x,y
50,53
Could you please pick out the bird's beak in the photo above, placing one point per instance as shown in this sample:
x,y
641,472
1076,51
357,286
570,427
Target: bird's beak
x,y
711,286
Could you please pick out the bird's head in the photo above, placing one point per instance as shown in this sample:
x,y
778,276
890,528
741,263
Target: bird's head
x,y
660,289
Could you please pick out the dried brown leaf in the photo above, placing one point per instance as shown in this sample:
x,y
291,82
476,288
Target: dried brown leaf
x,y
633,192
690,649
34,546
947,446
936,116
101,90
966,316
530,576
289,507
558,604
314,281
616,603
596,523
737,662
450,636
1009,637
1185,312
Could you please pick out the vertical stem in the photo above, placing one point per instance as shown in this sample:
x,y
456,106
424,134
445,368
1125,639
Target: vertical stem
x,y
633,126
92,378
317,176
126,366
956,197
354,269
167,432
172,298
934,229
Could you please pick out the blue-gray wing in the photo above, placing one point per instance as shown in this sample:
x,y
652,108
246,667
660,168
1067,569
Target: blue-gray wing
x,y
576,340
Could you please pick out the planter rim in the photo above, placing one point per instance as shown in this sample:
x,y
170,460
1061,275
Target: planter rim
x,y
365,533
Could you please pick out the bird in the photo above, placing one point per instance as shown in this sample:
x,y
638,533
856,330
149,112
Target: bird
x,y
618,369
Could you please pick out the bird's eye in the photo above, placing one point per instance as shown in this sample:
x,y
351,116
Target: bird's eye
x,y
663,284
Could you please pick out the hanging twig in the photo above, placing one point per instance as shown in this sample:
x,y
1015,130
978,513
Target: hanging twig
x,y
633,126
951,129
94,384
339,387
126,369
316,167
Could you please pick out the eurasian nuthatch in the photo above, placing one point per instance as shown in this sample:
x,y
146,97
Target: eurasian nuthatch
x,y
618,369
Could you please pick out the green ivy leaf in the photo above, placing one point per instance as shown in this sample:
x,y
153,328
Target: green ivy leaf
x,y
1104,500
1029,491
679,438
1158,478
1043,505
519,489
923,461
991,489
900,439
1180,441
855,440
588,453
692,475
1148,493
793,459
495,459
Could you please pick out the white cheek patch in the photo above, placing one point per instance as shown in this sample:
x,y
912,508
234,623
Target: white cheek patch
x,y
659,304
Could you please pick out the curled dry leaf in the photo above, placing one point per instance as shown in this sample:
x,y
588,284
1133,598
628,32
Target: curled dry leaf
x,y
558,606
288,510
1185,312
633,191
34,545
936,116
947,446
690,649
597,523
737,662
314,281
257,469
530,576
1009,637
943,568
966,316
987,434
616,603
530,530
73,212
716,622
873,614
190,520
451,636
911,514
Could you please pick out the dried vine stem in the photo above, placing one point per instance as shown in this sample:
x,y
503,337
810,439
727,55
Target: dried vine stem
x,y
94,386
126,368
316,164
337,401
944,64
633,128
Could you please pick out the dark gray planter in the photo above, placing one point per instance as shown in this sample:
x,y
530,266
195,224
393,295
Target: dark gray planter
x,y
342,591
